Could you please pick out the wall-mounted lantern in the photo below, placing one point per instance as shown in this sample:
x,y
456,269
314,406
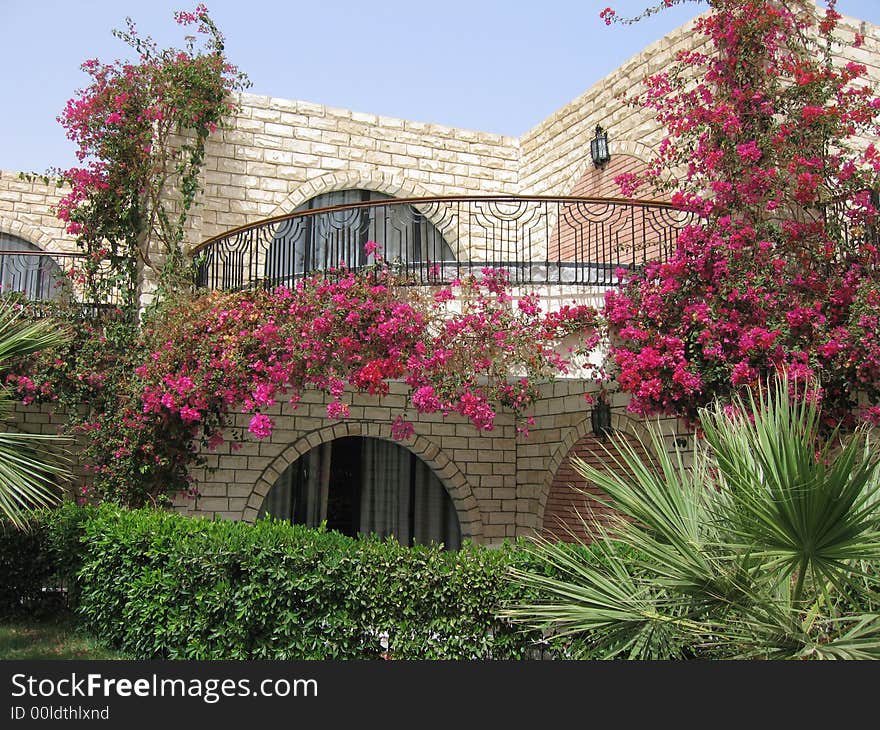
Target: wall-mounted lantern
x,y
599,147
601,419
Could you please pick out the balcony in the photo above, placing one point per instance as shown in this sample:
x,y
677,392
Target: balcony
x,y
578,242
43,279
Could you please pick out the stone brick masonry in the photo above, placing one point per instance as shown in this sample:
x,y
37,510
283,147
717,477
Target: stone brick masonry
x,y
500,481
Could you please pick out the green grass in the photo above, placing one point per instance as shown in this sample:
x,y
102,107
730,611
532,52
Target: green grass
x,y
59,636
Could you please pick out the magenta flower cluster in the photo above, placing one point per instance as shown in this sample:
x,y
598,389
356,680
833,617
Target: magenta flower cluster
x,y
355,331
782,274
126,125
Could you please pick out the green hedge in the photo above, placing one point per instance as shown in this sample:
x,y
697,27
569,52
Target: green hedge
x,y
160,585
37,564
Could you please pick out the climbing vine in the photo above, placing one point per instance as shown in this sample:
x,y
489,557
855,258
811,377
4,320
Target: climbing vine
x,y
140,129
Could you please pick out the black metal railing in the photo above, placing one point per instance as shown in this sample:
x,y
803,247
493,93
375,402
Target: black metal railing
x,y
45,278
848,223
539,240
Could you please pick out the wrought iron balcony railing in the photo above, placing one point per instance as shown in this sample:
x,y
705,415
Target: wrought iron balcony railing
x,y
46,277
539,240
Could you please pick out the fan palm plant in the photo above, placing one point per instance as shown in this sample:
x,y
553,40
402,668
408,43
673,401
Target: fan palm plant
x,y
29,469
767,545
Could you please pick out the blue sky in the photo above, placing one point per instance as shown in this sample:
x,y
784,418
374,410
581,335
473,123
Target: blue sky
x,y
479,64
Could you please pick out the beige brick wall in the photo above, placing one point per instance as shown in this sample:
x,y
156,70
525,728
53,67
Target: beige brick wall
x,y
556,153
27,210
499,480
868,54
477,470
280,153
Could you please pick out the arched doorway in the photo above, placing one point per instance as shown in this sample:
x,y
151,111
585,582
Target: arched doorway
x,y
324,240
360,485
572,512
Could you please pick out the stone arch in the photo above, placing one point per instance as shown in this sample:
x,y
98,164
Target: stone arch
x,y
453,480
27,232
378,182
26,269
619,422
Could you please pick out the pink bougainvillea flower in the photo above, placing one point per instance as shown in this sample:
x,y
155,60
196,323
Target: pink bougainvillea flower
x,y
260,426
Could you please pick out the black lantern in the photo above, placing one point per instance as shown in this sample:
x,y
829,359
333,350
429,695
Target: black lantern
x,y
599,147
601,419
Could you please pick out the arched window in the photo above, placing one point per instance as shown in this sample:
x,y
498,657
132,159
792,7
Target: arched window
x,y
362,486
37,277
324,240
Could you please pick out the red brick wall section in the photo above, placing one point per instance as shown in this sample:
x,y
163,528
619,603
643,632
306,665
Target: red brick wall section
x,y
566,506
598,182
606,233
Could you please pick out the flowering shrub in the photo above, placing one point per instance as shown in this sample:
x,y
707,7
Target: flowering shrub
x,y
90,374
140,130
199,357
783,272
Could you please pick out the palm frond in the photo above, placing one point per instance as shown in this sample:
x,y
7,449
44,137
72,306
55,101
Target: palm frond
x,y
30,470
30,477
765,546
805,507
20,337
625,614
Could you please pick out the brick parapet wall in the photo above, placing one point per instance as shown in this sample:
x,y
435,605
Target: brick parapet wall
x,y
500,481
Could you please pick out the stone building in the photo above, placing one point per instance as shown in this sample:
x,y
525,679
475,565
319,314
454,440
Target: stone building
x,y
283,157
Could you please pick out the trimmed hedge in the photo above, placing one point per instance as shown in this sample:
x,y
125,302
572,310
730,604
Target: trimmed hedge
x,y
160,585
37,564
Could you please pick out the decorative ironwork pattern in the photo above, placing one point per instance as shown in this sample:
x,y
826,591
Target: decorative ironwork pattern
x,y
44,276
539,240
846,222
